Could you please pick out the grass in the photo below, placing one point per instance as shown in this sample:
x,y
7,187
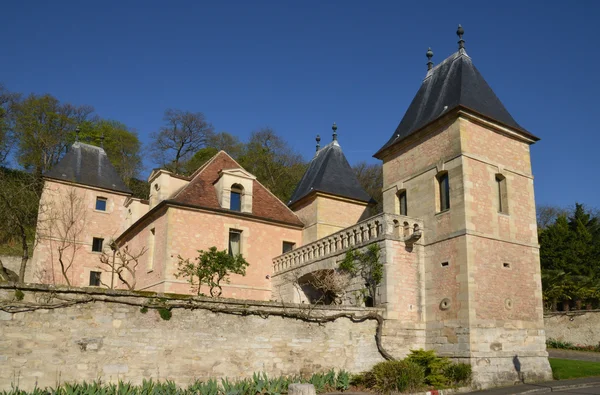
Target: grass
x,y
568,369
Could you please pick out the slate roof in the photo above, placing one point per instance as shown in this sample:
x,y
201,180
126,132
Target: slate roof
x,y
453,83
330,172
88,165
200,192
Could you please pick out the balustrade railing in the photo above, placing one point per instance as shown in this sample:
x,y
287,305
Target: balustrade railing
x,y
365,232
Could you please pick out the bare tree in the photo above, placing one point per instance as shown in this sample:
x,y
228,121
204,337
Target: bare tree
x,y
183,134
8,102
370,177
19,204
63,227
123,262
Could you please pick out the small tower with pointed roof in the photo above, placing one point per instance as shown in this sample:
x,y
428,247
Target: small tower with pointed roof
x,y
460,162
329,197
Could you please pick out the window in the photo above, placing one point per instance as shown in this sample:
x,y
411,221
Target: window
x,y
444,191
502,194
97,244
402,202
151,241
235,197
235,238
288,246
95,279
101,204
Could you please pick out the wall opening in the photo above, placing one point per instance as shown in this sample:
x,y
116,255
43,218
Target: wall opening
x,y
502,194
443,191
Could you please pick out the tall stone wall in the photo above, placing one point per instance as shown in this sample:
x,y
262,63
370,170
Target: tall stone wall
x,y
60,335
577,327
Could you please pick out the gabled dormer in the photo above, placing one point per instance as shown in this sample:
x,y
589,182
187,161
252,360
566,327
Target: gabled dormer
x,y
234,189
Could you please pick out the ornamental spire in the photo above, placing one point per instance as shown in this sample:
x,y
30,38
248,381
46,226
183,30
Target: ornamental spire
x,y
334,128
429,55
459,32
318,139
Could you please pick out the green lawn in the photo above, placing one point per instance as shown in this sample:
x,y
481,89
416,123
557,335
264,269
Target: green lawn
x,y
568,369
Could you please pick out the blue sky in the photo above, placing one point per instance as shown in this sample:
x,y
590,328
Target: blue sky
x,y
299,66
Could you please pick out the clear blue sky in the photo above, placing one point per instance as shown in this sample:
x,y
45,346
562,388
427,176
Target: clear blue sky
x,y
299,66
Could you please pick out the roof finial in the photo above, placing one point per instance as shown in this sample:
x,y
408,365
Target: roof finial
x,y
318,142
459,32
77,130
429,56
334,128
102,141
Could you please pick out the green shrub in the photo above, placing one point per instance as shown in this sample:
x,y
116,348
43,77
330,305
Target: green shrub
x,y
19,295
459,373
144,310
165,313
342,381
398,376
432,365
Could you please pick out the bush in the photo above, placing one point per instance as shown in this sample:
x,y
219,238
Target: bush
x,y
433,366
398,376
459,373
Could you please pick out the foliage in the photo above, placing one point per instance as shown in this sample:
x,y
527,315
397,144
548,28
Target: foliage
x,y
563,369
211,268
370,177
259,384
8,101
366,264
433,366
44,127
570,258
19,205
144,310
274,163
181,136
398,376
120,143
165,313
19,295
553,343
459,373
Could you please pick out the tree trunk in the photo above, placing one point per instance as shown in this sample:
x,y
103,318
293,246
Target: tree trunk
x,y
588,306
578,304
566,306
25,256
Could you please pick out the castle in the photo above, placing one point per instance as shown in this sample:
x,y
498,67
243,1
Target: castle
x,y
457,236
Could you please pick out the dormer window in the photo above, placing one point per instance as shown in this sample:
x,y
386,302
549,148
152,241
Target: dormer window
x,y
234,190
235,197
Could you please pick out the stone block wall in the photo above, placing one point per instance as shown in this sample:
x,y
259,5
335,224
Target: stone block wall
x,y
577,327
100,334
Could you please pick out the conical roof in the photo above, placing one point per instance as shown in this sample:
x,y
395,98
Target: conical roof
x,y
330,172
454,83
88,165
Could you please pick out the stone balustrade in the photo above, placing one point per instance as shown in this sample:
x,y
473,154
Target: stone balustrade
x,y
373,229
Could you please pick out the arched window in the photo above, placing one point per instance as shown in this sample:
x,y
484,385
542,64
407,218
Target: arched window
x,y
235,198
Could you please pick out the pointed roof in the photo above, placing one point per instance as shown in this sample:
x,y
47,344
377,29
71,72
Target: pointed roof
x,y
330,172
200,192
88,165
452,84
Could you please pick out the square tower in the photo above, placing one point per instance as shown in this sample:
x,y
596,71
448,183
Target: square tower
x,y
461,163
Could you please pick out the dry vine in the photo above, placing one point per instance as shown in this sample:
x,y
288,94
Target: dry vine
x,y
156,302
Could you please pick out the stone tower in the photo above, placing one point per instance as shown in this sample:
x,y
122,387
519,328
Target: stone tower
x,y
461,163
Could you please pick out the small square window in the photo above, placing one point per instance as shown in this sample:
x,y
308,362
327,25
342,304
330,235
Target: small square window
x,y
235,239
506,265
97,244
444,264
288,246
101,204
95,279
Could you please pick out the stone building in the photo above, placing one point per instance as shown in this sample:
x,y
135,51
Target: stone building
x,y
457,235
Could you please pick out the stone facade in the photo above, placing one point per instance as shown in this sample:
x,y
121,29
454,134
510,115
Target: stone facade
x,y
114,341
62,202
577,327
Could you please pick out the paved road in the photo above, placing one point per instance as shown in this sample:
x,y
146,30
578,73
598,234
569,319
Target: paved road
x,y
589,390
578,355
